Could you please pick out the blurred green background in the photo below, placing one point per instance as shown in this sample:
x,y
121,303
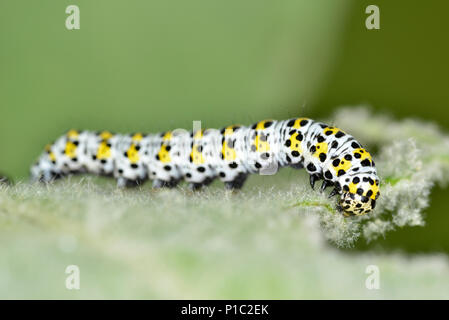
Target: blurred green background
x,y
144,65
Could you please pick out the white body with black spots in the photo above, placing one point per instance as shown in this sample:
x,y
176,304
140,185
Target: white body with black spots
x,y
230,154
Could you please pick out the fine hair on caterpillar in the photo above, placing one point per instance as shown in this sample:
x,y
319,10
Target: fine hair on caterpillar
x,y
230,154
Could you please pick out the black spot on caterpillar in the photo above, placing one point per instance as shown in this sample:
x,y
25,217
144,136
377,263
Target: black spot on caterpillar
x,y
229,154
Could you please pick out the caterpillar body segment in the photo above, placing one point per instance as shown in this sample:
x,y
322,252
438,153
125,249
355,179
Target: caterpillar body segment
x,y
229,154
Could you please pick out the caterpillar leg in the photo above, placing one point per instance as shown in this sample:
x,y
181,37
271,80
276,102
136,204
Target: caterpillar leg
x,y
298,166
237,183
127,183
313,178
196,186
157,184
326,183
47,176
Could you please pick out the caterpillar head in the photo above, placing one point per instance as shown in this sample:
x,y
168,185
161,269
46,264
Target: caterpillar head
x,y
359,194
353,204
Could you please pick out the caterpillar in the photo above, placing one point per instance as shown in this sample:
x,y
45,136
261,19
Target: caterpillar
x,y
4,180
230,154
